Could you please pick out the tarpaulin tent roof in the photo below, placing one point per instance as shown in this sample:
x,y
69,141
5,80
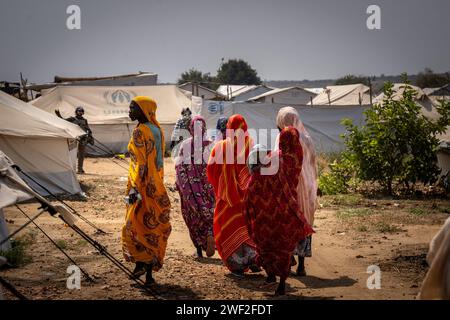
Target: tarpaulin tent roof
x,y
23,120
289,95
234,91
42,144
110,105
347,95
398,90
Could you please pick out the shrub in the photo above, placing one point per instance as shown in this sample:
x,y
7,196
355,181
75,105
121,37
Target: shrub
x,y
397,143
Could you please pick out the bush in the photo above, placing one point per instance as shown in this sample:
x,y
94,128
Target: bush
x,y
398,143
16,256
340,178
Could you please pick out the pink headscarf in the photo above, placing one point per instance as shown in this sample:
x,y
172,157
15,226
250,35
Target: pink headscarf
x,y
307,186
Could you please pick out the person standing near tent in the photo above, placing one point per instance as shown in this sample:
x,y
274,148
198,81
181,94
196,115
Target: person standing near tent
x,y
147,224
84,140
271,208
196,193
181,128
307,182
228,173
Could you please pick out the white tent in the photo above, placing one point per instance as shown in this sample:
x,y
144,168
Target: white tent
x,y
323,123
106,109
347,95
443,153
242,92
289,96
43,145
436,95
10,194
420,98
201,91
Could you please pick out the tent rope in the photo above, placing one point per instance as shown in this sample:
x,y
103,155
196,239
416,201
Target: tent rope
x,y
100,248
58,199
12,289
88,277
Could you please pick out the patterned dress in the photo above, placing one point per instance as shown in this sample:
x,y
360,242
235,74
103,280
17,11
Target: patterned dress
x,y
147,223
271,208
230,182
196,193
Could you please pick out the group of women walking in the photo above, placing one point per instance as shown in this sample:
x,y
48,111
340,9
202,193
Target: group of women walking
x,y
253,219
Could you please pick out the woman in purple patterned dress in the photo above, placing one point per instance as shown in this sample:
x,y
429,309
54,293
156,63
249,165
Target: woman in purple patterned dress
x,y
196,193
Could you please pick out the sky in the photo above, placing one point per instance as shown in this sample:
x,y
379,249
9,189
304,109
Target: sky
x,y
281,39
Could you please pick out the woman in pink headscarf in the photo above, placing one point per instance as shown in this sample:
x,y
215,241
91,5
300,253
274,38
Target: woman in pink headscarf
x,y
307,185
196,193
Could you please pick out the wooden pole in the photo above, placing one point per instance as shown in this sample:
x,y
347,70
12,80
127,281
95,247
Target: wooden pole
x,y
370,91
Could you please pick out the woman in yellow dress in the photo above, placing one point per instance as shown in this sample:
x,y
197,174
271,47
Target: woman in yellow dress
x,y
147,226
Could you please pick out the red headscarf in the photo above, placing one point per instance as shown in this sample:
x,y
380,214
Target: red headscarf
x,y
231,177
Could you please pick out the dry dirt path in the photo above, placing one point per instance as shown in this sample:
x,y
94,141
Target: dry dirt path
x,y
337,270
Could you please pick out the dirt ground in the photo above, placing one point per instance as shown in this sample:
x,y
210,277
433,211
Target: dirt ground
x,y
352,233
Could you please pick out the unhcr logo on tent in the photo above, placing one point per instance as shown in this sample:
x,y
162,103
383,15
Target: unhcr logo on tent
x,y
216,107
119,97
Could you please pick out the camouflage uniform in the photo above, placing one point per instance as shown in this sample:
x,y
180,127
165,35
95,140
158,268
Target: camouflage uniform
x,y
84,140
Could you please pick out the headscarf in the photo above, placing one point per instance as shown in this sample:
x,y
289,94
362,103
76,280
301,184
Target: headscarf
x,y
148,107
230,180
272,207
203,126
197,139
238,124
307,188
222,126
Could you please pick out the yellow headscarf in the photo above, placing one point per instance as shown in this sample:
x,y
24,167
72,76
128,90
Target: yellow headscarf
x,y
148,107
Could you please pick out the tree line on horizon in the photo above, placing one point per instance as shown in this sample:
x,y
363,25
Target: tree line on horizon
x,y
240,72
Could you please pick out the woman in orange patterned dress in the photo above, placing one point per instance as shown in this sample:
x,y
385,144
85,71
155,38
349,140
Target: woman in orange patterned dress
x,y
147,226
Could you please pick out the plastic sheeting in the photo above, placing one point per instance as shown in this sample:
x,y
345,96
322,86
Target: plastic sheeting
x,y
47,160
347,95
114,138
110,105
323,123
23,120
10,194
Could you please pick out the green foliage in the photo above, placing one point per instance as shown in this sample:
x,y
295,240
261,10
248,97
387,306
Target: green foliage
x,y
17,256
352,79
340,178
384,227
397,143
418,212
429,79
362,228
194,75
237,71
62,244
350,213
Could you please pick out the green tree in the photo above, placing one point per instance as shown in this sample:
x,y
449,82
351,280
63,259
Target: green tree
x,y
397,143
429,79
352,79
237,72
194,75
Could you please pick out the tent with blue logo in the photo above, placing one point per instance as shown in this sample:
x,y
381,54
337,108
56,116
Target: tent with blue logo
x,y
106,109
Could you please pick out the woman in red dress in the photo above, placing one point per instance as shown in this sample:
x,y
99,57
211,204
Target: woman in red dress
x,y
271,209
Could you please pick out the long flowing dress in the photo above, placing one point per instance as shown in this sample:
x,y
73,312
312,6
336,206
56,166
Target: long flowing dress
x,y
147,226
271,208
307,184
196,193
229,176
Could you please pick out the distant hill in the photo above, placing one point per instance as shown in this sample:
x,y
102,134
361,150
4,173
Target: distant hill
x,y
377,82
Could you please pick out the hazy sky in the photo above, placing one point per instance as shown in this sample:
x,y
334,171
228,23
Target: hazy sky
x,y
281,39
